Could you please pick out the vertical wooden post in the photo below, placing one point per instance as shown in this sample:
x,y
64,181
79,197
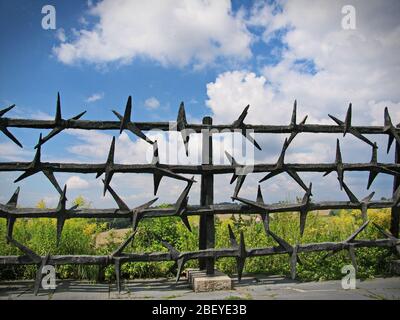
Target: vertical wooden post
x,y
395,216
207,231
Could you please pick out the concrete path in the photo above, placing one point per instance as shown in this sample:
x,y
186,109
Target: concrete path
x,y
258,287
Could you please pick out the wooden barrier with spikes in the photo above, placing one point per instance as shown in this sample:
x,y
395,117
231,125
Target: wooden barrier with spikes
x,y
207,209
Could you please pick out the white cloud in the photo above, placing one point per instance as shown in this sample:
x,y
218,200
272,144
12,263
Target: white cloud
x,y
169,32
152,103
76,182
60,35
95,97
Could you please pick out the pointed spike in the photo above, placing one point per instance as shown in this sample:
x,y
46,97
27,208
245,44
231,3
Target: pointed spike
x,y
387,120
121,204
50,176
282,243
156,179
338,122
259,195
350,194
181,264
265,220
127,114
338,159
31,254
60,227
78,116
232,237
4,111
62,201
240,121
347,121
374,157
174,253
231,159
145,205
303,218
10,136
241,259
384,232
251,139
111,152
10,227
239,184
390,142
368,198
119,250
306,198
294,114
181,203
357,232
58,116
181,119
14,199
281,158
156,157
295,176
185,221
371,177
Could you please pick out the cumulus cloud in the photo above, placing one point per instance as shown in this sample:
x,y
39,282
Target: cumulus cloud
x,y
169,32
76,182
152,103
95,97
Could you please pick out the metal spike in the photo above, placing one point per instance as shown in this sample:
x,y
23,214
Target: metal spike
x,y
241,259
138,213
31,254
384,232
303,218
265,219
127,124
232,237
181,203
357,232
156,157
347,121
14,199
120,203
294,115
350,194
4,111
282,243
181,126
50,176
60,226
181,263
259,195
119,250
338,159
233,163
10,135
294,175
371,177
239,184
240,121
4,129
58,118
10,227
174,253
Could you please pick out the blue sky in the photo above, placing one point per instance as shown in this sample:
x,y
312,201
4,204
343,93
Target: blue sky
x,y
217,58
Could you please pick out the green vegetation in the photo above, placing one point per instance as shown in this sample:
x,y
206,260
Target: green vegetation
x,y
79,237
